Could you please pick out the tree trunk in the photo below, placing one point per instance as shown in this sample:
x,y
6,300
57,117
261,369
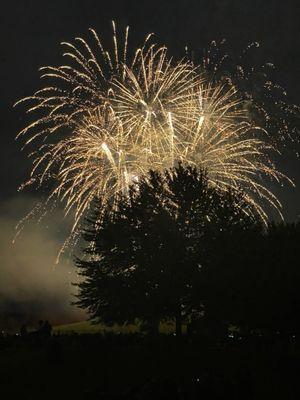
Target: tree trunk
x,y
178,324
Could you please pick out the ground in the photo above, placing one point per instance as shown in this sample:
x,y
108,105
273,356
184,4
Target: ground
x,y
94,366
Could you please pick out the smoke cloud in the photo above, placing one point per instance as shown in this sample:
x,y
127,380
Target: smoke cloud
x,y
32,287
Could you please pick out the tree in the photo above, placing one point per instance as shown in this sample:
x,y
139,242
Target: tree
x,y
144,259
259,286
275,280
280,296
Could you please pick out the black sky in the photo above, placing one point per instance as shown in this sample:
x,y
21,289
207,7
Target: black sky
x,y
32,30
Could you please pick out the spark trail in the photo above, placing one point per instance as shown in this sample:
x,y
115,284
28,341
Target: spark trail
x,y
108,117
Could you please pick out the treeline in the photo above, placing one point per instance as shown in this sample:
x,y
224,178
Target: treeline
x,y
177,248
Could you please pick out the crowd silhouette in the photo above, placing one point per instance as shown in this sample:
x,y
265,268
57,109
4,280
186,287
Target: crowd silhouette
x,y
44,330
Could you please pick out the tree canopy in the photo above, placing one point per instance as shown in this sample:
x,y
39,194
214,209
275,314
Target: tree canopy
x,y
146,255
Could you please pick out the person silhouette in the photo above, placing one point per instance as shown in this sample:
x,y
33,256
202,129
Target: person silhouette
x,y
40,328
46,329
23,330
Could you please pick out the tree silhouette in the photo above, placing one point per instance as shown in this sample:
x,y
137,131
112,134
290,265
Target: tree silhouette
x,y
275,278
280,297
259,282
146,256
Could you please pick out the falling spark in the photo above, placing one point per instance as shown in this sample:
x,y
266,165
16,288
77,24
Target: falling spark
x,y
107,118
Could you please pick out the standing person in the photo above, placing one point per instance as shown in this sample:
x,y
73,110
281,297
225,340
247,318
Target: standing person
x,y
23,330
46,329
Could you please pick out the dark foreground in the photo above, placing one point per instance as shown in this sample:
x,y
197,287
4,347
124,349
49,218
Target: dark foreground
x,y
130,367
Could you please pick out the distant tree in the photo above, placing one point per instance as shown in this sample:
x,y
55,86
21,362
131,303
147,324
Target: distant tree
x,y
280,294
277,281
145,258
258,282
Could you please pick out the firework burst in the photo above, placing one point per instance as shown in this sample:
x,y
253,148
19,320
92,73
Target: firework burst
x,y
107,118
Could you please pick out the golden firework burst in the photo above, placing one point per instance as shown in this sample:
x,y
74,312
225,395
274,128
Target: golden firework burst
x,y
107,118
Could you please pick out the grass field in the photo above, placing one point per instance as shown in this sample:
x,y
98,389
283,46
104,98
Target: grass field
x,y
89,327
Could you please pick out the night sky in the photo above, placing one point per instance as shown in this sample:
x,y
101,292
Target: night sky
x,y
32,31
30,37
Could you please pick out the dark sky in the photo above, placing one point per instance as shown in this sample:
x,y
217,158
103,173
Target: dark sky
x,y
32,31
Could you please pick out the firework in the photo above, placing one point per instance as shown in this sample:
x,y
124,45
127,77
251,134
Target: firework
x,y
106,118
